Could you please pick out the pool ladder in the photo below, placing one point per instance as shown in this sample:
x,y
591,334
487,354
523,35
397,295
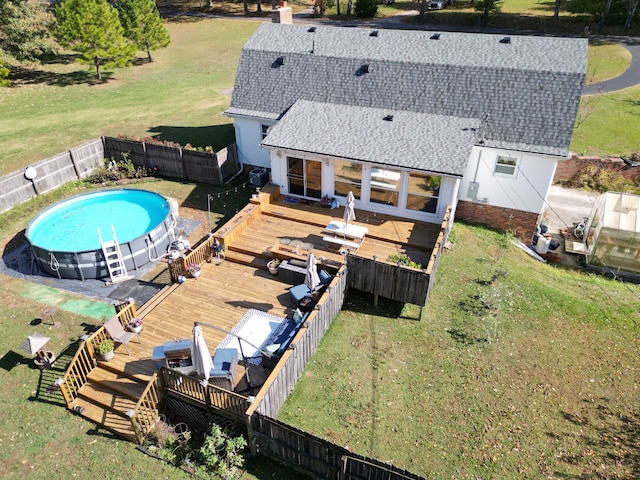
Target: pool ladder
x,y
113,258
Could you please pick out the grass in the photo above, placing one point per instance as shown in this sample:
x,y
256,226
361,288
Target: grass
x,y
180,96
606,61
516,370
607,125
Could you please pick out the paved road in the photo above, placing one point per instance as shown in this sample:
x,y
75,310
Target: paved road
x,y
629,78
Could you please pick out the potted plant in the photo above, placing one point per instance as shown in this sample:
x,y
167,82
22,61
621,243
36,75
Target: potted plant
x,y
135,325
104,348
194,270
273,266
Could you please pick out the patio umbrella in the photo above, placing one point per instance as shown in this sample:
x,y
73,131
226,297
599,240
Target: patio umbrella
x,y
349,212
311,279
200,356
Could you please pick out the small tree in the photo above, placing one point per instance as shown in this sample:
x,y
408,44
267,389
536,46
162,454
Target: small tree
x,y
366,8
143,25
92,28
487,7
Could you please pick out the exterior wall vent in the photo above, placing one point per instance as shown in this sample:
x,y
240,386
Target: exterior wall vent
x,y
362,70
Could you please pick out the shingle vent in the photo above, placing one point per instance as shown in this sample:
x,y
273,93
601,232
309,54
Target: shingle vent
x,y
374,33
362,70
505,40
388,118
311,29
435,36
278,62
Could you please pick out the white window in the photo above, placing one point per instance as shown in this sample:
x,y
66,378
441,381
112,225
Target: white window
x,y
506,165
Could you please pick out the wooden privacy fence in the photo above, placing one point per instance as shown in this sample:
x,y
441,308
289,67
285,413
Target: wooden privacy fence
x,y
81,161
215,168
50,173
395,281
318,457
289,369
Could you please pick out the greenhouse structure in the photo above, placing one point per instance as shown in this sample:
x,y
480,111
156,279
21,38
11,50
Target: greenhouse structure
x,y
612,235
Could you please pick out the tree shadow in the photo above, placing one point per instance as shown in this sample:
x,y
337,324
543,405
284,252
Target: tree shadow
x,y
35,76
215,136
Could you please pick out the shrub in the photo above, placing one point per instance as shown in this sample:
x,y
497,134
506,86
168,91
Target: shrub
x,y
120,170
366,8
402,259
599,179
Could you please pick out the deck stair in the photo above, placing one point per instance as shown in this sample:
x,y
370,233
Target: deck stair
x,y
107,397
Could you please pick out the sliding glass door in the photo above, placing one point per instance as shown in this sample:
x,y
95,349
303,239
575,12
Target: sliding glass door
x,y
305,177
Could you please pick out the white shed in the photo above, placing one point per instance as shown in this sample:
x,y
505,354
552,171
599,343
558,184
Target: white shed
x,y
612,233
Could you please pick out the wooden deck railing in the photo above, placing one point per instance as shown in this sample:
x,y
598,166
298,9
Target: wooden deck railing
x,y
202,251
146,412
84,360
211,398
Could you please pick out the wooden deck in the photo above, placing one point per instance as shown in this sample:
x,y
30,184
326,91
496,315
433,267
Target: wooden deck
x,y
225,291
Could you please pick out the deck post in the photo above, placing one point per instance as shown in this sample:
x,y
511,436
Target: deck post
x,y
250,436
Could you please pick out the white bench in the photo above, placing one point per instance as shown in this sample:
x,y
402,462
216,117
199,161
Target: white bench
x,y
341,241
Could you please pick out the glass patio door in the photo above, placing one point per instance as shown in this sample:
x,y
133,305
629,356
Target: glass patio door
x,y
305,177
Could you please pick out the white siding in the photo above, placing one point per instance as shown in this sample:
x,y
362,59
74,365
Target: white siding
x,y
525,190
248,138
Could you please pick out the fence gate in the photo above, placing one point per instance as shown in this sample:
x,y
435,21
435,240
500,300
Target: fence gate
x,y
360,468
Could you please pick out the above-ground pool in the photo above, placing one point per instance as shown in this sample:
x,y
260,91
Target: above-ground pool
x,y
64,237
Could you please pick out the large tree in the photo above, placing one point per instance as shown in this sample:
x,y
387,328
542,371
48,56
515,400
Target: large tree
x,y
92,28
143,25
487,7
24,30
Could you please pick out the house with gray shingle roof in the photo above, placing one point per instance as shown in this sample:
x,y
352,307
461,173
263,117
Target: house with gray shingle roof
x,y
410,121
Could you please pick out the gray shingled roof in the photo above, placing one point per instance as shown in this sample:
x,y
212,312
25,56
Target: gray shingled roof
x,y
530,88
426,142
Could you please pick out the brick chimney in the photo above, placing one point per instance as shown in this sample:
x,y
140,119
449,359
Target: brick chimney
x,y
282,14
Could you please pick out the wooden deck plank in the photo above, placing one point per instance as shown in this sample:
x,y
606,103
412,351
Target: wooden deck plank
x,y
224,292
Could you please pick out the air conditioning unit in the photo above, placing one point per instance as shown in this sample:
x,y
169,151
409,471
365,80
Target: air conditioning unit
x,y
258,177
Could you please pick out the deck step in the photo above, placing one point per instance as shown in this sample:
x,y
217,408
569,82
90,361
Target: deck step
x,y
242,258
119,382
106,398
106,366
106,418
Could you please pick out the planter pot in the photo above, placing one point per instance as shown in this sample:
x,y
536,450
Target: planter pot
x,y
106,356
195,274
136,329
273,268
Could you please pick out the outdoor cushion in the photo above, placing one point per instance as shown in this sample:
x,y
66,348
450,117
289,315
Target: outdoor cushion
x,y
299,292
224,362
324,277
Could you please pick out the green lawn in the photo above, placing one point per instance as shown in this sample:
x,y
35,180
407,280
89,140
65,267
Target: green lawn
x,y
180,96
517,370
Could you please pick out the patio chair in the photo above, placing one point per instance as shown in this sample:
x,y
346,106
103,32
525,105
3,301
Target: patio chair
x,y
118,334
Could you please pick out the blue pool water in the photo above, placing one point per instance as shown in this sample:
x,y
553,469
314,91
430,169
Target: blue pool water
x,y
71,225
64,237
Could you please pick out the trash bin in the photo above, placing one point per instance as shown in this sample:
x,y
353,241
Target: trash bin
x,y
258,177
